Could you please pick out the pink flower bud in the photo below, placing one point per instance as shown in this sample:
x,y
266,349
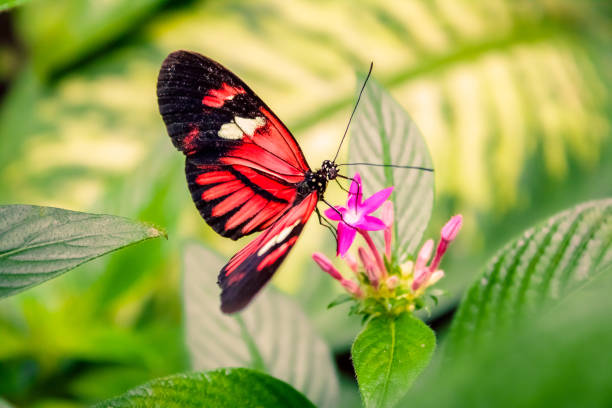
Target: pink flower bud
x,y
369,265
448,233
388,238
435,277
325,264
452,227
420,277
424,255
380,265
387,213
352,288
364,257
387,219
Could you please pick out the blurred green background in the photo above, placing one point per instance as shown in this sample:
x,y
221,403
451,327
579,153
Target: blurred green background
x,y
511,96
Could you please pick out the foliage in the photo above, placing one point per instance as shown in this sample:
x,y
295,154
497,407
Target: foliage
x,y
558,357
556,350
389,354
543,267
272,335
40,243
220,388
510,95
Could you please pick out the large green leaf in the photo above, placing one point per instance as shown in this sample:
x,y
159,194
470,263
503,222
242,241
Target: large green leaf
x,y
383,133
272,334
558,358
39,243
389,354
541,267
237,387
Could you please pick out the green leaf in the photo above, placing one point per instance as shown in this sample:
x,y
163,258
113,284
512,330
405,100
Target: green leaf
x,y
540,268
383,133
389,354
559,358
341,299
39,243
8,4
272,334
237,387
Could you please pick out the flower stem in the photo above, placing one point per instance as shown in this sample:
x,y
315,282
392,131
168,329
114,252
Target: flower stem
x,y
377,256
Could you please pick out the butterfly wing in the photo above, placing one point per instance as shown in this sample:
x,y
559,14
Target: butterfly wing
x,y
242,164
243,168
251,268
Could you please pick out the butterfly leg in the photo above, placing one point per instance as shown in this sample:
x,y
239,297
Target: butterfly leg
x,y
341,186
327,223
352,179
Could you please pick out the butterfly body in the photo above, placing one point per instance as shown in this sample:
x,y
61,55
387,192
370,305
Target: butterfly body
x,y
317,181
245,171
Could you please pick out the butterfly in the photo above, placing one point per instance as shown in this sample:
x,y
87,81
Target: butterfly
x,y
245,171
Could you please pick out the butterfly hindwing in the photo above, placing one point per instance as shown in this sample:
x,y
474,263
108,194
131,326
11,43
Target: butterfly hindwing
x,y
239,156
251,268
237,200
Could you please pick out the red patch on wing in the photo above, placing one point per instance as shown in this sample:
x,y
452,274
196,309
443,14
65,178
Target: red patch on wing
x,y
217,97
214,177
222,190
288,150
231,203
274,255
188,142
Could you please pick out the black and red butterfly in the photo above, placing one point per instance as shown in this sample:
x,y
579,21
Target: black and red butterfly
x,y
245,170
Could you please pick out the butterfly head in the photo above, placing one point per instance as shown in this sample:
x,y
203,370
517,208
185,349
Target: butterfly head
x,y
329,169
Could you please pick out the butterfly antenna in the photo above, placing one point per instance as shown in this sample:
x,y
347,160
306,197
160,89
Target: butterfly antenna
x,y
397,166
354,109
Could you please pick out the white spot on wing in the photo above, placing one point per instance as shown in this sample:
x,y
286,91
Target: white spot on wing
x,y
230,131
277,239
249,126
237,128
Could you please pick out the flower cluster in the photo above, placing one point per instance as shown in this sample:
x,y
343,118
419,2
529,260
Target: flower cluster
x,y
381,285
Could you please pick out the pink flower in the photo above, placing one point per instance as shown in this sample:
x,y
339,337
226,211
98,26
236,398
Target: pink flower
x,y
428,275
382,285
356,215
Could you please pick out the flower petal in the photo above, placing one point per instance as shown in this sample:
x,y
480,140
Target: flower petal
x,y
346,236
356,184
355,192
376,200
370,223
334,214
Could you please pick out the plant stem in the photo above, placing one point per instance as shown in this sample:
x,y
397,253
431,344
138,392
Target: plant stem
x,y
374,250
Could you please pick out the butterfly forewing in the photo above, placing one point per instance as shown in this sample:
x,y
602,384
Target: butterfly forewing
x,y
237,150
243,167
